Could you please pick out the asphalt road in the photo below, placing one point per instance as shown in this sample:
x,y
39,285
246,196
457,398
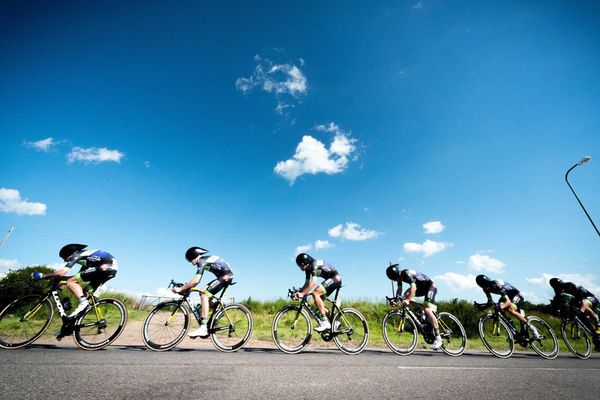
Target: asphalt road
x,y
132,372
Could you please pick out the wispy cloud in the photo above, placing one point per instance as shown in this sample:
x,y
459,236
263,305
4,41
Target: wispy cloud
x,y
11,201
94,155
433,227
428,248
457,282
352,231
588,281
279,79
313,157
44,145
318,245
479,262
6,265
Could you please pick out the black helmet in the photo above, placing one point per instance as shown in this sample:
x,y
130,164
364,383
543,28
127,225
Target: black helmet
x,y
303,258
392,272
69,249
193,252
483,280
556,283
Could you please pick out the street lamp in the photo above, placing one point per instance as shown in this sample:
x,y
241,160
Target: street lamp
x,y
583,161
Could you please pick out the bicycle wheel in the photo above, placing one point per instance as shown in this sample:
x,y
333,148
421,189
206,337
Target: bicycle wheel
x,y
24,320
292,329
400,332
231,327
99,326
547,345
576,338
165,326
350,331
453,334
496,336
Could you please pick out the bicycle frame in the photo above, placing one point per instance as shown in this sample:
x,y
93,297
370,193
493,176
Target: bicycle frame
x,y
335,309
522,337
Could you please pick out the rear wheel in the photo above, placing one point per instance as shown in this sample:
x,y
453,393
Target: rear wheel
x,y
454,338
292,329
400,332
231,327
101,325
24,320
496,336
165,326
576,338
350,331
547,344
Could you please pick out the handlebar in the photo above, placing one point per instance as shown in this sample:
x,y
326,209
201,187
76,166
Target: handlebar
x,y
174,284
483,306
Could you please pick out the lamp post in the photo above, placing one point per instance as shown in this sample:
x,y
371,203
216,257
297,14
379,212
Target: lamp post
x,y
583,161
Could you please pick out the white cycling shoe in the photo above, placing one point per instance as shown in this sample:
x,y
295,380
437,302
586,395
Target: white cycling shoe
x,y
323,326
82,306
202,332
437,344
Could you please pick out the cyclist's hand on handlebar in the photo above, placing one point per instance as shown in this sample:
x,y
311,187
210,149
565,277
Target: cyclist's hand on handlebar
x,y
36,276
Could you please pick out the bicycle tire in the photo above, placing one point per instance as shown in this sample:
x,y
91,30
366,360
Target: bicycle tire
x,y
454,337
15,332
165,326
292,329
576,337
98,327
231,327
495,337
400,332
350,330
547,345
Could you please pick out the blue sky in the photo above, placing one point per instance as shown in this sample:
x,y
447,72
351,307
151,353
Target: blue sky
x,y
433,134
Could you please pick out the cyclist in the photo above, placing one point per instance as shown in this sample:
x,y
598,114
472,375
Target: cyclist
x,y
419,285
511,299
332,281
580,297
97,267
214,264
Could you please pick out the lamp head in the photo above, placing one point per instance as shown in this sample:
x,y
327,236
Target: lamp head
x,y
584,160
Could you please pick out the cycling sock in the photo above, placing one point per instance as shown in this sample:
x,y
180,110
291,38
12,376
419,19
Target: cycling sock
x,y
202,321
82,299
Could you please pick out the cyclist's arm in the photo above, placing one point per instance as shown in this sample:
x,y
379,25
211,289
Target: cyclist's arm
x,y
410,292
56,274
192,283
309,285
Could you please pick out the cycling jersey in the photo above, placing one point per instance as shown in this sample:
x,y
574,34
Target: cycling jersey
x,y
320,268
505,290
578,294
97,267
217,266
423,283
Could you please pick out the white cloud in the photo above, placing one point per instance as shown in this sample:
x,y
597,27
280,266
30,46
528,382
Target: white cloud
x,y
279,79
457,282
94,155
312,157
303,248
433,227
6,265
352,231
428,248
323,245
11,201
478,262
44,145
588,281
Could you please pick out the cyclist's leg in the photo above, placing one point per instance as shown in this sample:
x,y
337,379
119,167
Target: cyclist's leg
x,y
431,307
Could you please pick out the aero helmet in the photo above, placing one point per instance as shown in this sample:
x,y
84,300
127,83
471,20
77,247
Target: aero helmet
x,y
483,280
70,249
303,259
556,283
392,272
193,252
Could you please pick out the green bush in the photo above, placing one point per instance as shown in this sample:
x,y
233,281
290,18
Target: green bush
x,y
18,283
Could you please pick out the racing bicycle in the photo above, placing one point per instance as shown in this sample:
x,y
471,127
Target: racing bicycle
x,y
27,318
499,334
578,332
401,327
229,325
292,327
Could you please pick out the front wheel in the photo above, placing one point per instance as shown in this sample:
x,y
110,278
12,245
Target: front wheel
x,y
547,344
24,320
100,325
231,327
400,332
576,338
454,338
292,329
165,326
496,336
350,331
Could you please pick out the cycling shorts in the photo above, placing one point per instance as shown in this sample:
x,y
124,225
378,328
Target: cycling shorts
x,y
516,301
429,292
95,277
216,285
330,285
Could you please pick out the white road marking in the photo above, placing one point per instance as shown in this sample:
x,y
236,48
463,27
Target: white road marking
x,y
505,368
